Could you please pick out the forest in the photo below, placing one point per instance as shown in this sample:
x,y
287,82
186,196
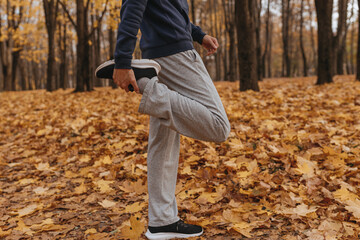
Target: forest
x,y
74,148
58,44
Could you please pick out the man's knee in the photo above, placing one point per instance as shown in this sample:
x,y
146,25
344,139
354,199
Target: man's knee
x,y
223,132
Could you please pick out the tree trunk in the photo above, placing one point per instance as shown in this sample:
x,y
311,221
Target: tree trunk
x,y
83,79
2,80
50,73
24,82
245,11
358,48
63,49
232,54
325,56
229,12
314,57
81,49
15,61
213,27
111,53
303,54
269,58
352,40
286,12
267,38
5,53
257,19
51,12
225,59
340,37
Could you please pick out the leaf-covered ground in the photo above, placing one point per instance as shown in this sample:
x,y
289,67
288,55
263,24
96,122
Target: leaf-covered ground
x,y
73,166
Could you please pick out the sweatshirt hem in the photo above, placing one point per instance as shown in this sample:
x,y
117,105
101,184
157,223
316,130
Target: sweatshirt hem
x,y
167,50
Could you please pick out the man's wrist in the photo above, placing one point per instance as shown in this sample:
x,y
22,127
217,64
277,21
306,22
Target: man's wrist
x,y
122,63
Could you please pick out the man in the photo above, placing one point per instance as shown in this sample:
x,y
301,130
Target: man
x,y
180,99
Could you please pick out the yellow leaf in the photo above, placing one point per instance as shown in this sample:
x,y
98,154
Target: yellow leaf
x,y
39,227
135,207
28,210
354,208
207,197
192,159
4,233
91,130
85,158
135,230
70,174
246,192
330,225
103,185
43,166
186,193
329,150
40,190
236,144
244,228
90,231
232,216
23,228
130,187
186,170
301,210
52,227
107,204
103,161
26,181
81,189
305,167
343,194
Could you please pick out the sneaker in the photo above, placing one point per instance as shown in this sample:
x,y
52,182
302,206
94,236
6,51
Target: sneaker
x,y
141,67
175,230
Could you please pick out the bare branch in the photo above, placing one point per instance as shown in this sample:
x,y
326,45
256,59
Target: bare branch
x,y
68,14
100,20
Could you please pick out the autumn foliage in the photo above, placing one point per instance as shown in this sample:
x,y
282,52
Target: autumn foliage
x,y
73,166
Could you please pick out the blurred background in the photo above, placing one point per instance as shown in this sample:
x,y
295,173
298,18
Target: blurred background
x,y
54,44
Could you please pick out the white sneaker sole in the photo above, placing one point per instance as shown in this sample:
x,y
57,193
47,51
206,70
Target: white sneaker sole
x,y
166,236
136,63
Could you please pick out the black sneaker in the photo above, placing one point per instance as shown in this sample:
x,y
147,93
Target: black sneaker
x,y
141,67
175,230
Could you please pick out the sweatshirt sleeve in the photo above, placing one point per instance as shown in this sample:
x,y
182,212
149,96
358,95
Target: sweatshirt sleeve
x,y
132,12
197,34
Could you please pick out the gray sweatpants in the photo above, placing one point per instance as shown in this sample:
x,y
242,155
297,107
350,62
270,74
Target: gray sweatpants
x,y
181,100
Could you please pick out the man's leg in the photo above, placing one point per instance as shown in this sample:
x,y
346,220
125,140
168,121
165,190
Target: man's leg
x,y
162,164
183,100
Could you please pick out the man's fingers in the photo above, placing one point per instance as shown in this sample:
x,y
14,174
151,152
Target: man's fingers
x,y
213,45
124,85
134,83
211,52
215,42
125,79
135,87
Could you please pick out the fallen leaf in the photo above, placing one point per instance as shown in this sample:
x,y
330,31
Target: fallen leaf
x,y
107,204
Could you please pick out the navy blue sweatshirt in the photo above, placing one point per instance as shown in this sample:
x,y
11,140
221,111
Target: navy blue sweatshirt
x,y
165,26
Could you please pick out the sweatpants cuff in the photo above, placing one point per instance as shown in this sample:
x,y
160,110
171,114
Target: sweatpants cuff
x,y
163,223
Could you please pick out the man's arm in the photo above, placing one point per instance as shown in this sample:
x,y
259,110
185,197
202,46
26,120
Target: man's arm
x,y
197,34
208,42
132,12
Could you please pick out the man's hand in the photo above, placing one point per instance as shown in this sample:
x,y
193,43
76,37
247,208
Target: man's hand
x,y
124,77
210,44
